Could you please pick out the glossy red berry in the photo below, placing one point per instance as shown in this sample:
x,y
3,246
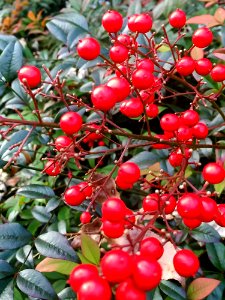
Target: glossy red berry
x,y
85,188
189,118
113,209
151,203
175,159
142,23
184,133
192,223
146,63
73,196
127,290
152,248
63,142
31,74
177,19
94,289
112,21
152,110
129,172
220,215
185,66
213,173
129,218
147,273
167,203
203,66
132,108
186,263
118,53
121,87
202,37
71,122
80,274
218,73
147,96
189,206
116,265
103,97
142,79
123,184
112,230
169,122
209,209
88,48
52,168
200,131
85,217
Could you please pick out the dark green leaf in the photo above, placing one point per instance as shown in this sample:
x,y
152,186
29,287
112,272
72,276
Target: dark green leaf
x,y
34,284
52,204
172,290
217,293
90,249
201,288
7,293
101,149
36,191
13,235
66,294
55,245
216,254
5,269
145,159
24,255
40,213
205,233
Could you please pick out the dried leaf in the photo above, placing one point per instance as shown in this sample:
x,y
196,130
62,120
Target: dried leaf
x,y
197,53
31,15
201,288
207,20
219,53
220,15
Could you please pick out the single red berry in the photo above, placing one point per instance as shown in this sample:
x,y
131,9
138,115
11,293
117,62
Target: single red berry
x,y
169,122
70,122
192,223
85,217
147,96
213,173
121,87
129,218
186,263
209,209
151,203
152,110
85,188
202,37
129,171
151,247
185,66
132,108
88,48
220,215
146,63
161,145
184,133
118,53
126,40
131,22
94,289
147,273
93,136
177,19
189,206
218,73
200,131
167,203
52,168
80,274
63,142
103,97
113,209
175,159
31,74
123,184
189,118
116,265
142,79
112,21
127,290
142,23
123,71
203,66
112,230
73,196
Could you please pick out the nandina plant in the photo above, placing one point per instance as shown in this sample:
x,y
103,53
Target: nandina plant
x,y
141,176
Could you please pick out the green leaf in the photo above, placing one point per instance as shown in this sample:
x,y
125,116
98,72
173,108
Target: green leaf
x,y
205,233
25,256
83,259
7,293
201,288
216,254
90,249
13,236
34,284
11,60
55,245
5,269
101,149
40,213
172,290
145,159
36,191
56,265
66,294
219,188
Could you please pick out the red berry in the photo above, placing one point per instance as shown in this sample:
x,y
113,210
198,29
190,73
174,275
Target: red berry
x,y
112,21
200,131
129,171
85,188
220,215
131,22
94,289
121,87
127,290
52,168
151,203
146,63
73,196
177,19
185,66
203,66
118,53
63,142
169,122
161,146
189,118
88,48
112,230
85,217
80,274
146,273
202,37
192,223
186,263
103,97
213,173
218,73
167,203
151,247
132,108
123,70
142,79
175,159
31,74
71,122
152,110
113,209
142,23
147,96
123,184
116,265
184,133
129,218
209,209
189,206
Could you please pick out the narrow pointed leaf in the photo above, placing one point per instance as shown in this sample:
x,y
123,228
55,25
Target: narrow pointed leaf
x,y
56,265
36,191
90,249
